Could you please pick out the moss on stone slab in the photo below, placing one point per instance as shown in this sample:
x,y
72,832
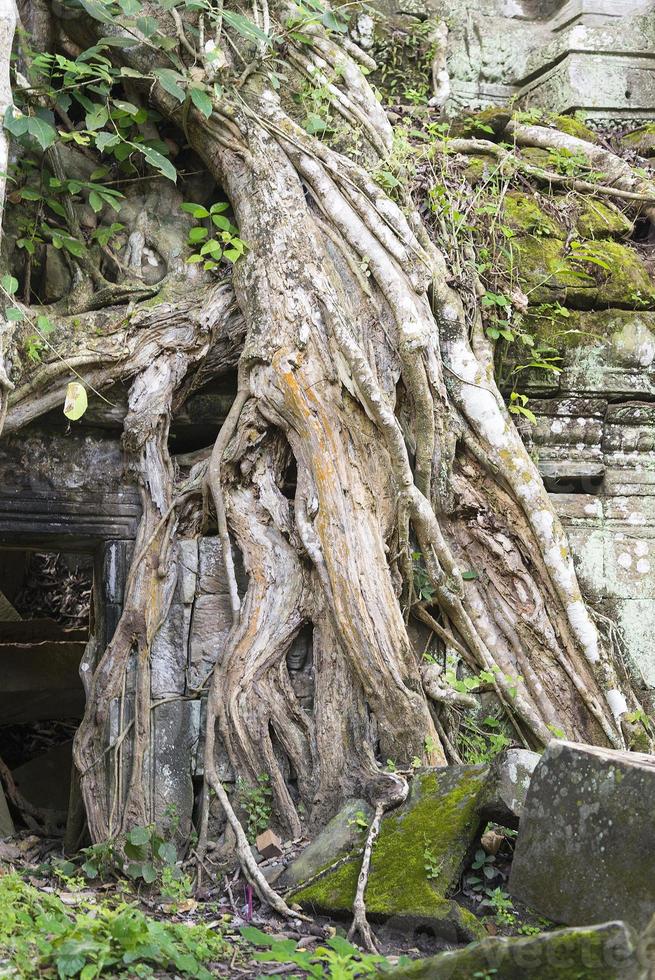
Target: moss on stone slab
x,y
601,274
596,219
574,127
441,816
525,216
605,952
641,140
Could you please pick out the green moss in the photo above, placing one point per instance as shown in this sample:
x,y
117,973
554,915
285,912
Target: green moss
x,y
537,157
598,220
548,273
526,217
568,954
488,124
476,169
442,814
574,127
641,140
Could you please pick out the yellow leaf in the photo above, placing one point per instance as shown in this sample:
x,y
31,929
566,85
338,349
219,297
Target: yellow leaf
x,y
76,401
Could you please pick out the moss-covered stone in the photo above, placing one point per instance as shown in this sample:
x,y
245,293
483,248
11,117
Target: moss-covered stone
x,y
641,140
536,156
437,825
598,220
597,275
574,127
488,124
605,952
525,216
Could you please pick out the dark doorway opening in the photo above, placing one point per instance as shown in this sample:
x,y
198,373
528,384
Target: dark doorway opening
x,y
46,620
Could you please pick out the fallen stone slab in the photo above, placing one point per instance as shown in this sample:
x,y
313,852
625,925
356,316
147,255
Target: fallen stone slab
x,y
416,860
511,773
603,952
584,852
6,823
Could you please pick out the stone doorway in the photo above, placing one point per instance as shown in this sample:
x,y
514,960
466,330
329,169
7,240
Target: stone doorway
x,y
46,620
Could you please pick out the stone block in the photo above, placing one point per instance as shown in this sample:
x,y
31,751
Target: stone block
x,y
169,651
45,780
188,569
269,844
211,622
174,741
585,852
511,773
211,571
442,813
6,823
604,952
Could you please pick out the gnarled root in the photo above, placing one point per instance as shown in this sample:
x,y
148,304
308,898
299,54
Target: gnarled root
x,y
389,795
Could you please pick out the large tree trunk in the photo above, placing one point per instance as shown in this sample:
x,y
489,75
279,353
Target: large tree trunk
x,y
366,367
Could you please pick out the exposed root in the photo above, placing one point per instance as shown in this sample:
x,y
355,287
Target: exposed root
x,y
393,793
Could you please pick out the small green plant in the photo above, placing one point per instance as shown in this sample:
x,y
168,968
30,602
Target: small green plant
x,y
40,936
422,585
501,905
359,821
256,801
431,863
518,406
529,930
223,243
336,960
479,745
175,885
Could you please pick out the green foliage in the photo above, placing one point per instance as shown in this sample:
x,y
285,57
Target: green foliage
x,y
501,904
359,821
479,744
257,802
337,960
216,239
431,862
423,588
40,936
143,854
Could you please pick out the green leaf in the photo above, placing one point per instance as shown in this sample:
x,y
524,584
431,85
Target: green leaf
x,y
42,131
97,118
14,314
105,140
44,325
201,101
333,22
247,28
314,124
129,107
197,235
90,869
167,852
139,835
76,401
9,284
197,210
170,82
470,576
97,10
221,222
15,121
73,246
159,162
149,872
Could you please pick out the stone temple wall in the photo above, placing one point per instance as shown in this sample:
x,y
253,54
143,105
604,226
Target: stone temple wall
x,y
560,55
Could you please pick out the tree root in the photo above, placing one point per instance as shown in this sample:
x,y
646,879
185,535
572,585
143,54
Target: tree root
x,y
394,792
